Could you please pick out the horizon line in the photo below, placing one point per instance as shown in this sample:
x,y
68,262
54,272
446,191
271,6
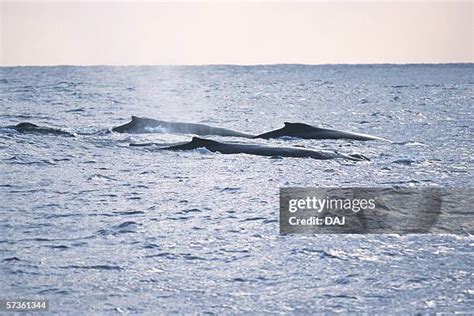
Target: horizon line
x,y
242,65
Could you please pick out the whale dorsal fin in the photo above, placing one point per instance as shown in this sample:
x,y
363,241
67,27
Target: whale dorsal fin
x,y
196,139
202,142
135,118
293,125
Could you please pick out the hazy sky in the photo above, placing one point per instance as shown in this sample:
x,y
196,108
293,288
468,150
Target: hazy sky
x,y
91,32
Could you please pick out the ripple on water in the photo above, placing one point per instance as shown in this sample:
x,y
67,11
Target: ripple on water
x,y
11,259
122,228
93,267
128,212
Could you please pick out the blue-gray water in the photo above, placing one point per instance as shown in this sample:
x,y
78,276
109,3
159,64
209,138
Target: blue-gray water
x,y
96,226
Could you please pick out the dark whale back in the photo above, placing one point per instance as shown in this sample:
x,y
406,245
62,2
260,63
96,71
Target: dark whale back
x,y
299,130
305,131
24,126
148,125
259,150
195,143
135,123
27,127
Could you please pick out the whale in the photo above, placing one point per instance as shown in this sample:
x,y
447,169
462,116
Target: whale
x,y
294,130
305,131
148,125
30,128
254,149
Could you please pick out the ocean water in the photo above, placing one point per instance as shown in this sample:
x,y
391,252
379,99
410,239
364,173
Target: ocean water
x,y
97,226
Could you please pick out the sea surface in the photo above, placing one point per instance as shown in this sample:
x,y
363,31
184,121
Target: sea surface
x,y
97,226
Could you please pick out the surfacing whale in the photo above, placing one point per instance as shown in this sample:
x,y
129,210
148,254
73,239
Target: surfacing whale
x,y
147,125
296,130
259,150
305,131
30,128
